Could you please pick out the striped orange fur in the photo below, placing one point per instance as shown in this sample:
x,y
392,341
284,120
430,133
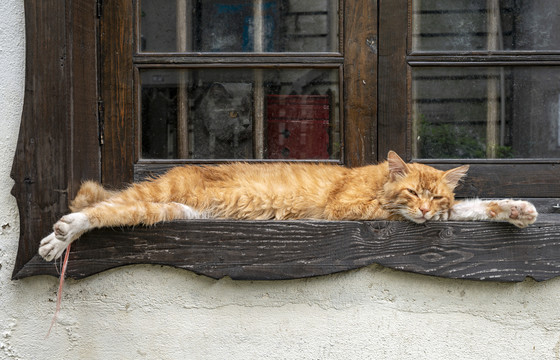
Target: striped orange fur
x,y
392,190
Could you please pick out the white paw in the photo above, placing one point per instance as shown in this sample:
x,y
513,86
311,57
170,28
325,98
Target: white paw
x,y
67,229
519,213
441,216
51,248
190,213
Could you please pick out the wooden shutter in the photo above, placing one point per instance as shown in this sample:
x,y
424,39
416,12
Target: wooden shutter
x,y
58,139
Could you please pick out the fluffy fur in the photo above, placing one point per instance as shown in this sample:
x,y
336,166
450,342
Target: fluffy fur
x,y
393,190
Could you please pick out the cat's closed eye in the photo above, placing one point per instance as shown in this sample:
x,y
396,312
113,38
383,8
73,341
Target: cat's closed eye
x,y
412,192
437,197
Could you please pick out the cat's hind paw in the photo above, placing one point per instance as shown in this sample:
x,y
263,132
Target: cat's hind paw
x,y
67,229
518,212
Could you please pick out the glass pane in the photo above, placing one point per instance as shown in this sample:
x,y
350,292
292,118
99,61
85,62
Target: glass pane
x,y
486,112
240,114
463,25
239,26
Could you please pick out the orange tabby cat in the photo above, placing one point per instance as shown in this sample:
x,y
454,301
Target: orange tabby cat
x,y
393,190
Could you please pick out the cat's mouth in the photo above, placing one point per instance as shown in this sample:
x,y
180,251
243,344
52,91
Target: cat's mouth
x,y
419,219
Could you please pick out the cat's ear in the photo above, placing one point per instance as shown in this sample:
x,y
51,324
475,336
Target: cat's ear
x,y
397,166
218,91
453,176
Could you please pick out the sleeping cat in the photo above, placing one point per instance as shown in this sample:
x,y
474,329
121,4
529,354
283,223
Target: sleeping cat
x,y
392,190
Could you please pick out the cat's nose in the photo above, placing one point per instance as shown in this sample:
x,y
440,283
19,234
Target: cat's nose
x,y
424,210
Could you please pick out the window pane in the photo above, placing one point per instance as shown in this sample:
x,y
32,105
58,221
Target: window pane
x,y
463,25
240,114
239,26
486,112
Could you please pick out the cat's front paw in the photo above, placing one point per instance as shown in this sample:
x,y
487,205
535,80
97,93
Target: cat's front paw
x,y
519,213
67,229
52,248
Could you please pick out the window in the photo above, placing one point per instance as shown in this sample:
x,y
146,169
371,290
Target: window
x,y
207,81
481,88
117,90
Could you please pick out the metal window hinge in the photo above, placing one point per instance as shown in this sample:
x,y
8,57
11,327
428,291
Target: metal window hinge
x,y
101,121
99,8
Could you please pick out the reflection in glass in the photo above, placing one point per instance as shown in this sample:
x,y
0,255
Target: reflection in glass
x,y
486,112
240,114
466,25
239,26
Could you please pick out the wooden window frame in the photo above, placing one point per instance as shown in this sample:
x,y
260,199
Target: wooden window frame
x,y
64,122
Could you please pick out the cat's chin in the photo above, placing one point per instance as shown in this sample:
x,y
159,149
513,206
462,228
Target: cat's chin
x,y
416,219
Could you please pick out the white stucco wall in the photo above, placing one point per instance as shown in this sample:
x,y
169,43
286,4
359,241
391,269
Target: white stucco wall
x,y
152,312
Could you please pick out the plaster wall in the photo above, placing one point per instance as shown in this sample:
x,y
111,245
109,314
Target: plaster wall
x,y
151,312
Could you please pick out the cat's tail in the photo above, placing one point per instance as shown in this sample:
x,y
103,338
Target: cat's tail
x,y
90,193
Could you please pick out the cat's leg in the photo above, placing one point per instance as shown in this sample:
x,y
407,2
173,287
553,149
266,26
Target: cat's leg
x,y
90,193
518,212
106,214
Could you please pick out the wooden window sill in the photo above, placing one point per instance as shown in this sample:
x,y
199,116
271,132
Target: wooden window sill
x,y
274,250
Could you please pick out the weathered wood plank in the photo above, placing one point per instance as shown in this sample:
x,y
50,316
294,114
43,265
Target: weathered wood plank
x,y
57,145
509,180
116,90
360,82
41,158
271,250
84,142
392,85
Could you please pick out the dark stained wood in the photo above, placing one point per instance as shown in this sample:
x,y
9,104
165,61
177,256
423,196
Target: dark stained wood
x,y
392,115
247,60
57,145
274,250
116,86
423,59
509,180
41,158
82,39
360,82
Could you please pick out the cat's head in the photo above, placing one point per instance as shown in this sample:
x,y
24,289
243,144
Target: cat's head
x,y
226,111
419,192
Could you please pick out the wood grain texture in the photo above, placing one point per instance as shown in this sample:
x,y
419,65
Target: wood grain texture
x,y
509,180
274,250
360,82
82,47
57,145
392,80
44,129
116,88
